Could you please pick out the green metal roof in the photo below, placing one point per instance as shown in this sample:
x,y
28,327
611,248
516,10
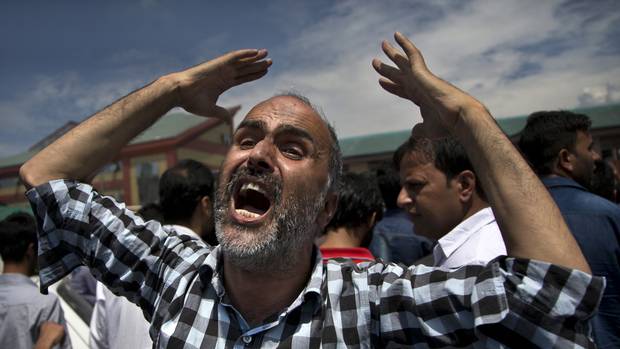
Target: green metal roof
x,y
166,127
601,116
373,144
15,160
176,123
169,126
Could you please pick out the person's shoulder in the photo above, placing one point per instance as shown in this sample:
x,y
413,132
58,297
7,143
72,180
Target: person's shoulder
x,y
597,204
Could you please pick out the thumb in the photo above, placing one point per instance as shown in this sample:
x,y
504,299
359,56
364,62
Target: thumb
x,y
221,113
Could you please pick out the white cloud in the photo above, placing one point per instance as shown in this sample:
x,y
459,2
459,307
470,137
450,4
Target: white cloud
x,y
476,46
481,46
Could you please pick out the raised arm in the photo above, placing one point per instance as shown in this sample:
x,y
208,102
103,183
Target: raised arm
x,y
96,141
531,223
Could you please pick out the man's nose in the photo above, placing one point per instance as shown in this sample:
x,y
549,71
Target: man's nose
x,y
595,155
403,199
261,157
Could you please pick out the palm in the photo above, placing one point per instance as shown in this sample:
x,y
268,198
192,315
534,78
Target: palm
x,y
438,100
201,86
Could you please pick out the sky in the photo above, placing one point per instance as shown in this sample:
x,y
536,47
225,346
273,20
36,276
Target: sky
x,y
65,60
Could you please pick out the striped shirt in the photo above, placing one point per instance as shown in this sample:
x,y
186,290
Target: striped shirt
x,y
177,280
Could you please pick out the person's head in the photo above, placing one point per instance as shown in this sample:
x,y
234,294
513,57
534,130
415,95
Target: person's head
x,y
186,196
278,184
439,186
604,180
18,241
388,181
360,207
559,143
151,211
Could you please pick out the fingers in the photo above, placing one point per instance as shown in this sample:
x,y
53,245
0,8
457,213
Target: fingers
x,y
250,77
396,56
410,50
246,56
386,70
392,88
254,67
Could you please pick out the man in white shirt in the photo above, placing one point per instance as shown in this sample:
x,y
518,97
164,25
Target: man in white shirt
x,y
444,199
185,194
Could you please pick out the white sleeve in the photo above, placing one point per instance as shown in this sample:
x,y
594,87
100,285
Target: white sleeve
x,y
98,324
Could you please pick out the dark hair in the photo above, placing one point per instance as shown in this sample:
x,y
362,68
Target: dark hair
x,y
447,154
181,187
604,181
388,181
335,154
151,211
17,231
359,199
548,132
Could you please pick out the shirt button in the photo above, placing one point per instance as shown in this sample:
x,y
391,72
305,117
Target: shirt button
x,y
247,339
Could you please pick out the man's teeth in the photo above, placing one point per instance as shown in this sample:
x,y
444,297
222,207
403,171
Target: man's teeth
x,y
246,213
252,186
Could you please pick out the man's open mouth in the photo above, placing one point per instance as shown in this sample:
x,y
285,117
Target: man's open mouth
x,y
251,201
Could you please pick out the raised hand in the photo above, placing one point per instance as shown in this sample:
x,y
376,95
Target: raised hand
x,y
200,86
439,101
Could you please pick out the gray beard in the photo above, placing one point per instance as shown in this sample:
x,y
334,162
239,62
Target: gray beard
x,y
275,247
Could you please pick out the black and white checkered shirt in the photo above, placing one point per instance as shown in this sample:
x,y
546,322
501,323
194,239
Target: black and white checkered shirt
x,y
177,281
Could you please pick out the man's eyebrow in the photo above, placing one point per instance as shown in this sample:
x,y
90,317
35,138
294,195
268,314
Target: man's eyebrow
x,y
295,131
253,124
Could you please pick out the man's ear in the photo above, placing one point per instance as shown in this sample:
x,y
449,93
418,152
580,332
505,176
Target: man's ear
x,y
372,220
565,160
206,205
466,182
328,211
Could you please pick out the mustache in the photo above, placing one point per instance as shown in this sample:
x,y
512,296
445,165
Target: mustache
x,y
268,180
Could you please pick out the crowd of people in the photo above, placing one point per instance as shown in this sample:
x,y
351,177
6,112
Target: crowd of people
x,y
465,240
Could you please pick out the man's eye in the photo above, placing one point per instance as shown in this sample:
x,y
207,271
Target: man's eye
x,y
247,143
292,152
412,186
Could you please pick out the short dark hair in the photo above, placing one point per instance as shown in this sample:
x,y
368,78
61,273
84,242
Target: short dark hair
x,y
17,231
548,132
151,211
447,154
181,187
359,199
388,181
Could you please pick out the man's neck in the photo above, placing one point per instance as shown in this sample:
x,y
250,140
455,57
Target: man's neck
x,y
342,238
476,205
17,268
258,295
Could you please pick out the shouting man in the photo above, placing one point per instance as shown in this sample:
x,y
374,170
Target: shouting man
x,y
265,285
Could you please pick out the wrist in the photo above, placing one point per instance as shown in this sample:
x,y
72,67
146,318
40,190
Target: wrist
x,y
170,86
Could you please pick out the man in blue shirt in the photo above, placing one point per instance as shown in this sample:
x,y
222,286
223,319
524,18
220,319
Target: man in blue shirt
x,y
394,238
558,145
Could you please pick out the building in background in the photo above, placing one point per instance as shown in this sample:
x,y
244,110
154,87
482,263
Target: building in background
x,y
134,175
370,152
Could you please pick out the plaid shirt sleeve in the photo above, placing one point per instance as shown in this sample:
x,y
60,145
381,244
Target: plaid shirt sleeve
x,y
135,259
516,302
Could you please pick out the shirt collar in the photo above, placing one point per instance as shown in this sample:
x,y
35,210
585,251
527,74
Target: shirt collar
x,y
16,279
452,241
183,230
210,275
559,181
